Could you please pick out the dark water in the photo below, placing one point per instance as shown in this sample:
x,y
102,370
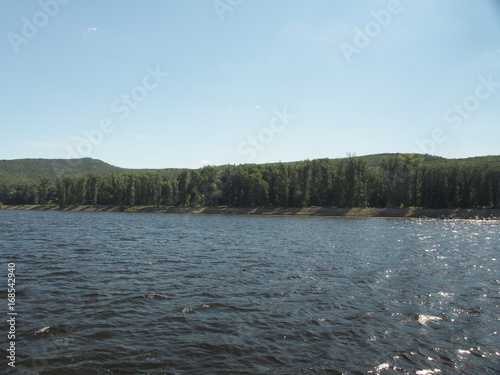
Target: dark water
x,y
193,294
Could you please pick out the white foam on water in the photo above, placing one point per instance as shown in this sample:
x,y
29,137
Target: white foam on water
x,y
43,330
424,319
382,366
443,294
428,372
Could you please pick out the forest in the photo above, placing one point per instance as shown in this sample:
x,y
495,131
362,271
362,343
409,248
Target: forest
x,y
402,180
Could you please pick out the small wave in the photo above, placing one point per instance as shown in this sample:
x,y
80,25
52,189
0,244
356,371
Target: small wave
x,y
428,372
424,319
52,331
187,310
158,295
382,366
473,351
318,322
46,331
443,294
149,296
195,276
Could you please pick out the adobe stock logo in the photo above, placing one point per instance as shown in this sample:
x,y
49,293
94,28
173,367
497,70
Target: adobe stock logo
x,y
458,113
372,29
471,103
31,27
224,6
266,135
121,107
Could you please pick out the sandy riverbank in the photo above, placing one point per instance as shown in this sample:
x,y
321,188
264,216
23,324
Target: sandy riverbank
x,y
314,211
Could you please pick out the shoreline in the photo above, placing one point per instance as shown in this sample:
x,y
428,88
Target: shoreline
x,y
459,213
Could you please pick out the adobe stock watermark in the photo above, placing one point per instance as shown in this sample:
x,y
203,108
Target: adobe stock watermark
x,y
266,135
223,6
372,29
32,26
458,113
121,108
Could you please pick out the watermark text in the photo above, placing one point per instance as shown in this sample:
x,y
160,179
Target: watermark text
x,y
32,26
223,6
277,124
457,114
11,314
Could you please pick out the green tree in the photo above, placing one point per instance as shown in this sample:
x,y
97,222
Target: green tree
x,y
43,191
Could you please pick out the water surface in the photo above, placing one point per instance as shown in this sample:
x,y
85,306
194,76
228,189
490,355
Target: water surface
x,y
202,294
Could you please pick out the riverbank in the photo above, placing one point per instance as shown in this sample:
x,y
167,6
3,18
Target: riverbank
x,y
312,211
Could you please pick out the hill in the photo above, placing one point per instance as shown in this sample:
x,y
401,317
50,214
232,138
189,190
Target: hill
x,y
375,159
397,181
28,171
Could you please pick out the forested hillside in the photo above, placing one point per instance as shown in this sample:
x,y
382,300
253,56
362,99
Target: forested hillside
x,y
30,171
26,171
393,180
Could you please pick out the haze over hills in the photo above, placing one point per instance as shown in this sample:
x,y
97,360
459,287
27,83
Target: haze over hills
x,y
27,171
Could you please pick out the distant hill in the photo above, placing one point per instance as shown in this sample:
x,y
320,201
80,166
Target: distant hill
x,y
375,159
493,160
27,171
23,171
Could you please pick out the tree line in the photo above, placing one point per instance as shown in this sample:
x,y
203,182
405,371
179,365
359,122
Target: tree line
x,y
399,181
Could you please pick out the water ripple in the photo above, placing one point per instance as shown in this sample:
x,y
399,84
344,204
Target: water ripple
x,y
170,294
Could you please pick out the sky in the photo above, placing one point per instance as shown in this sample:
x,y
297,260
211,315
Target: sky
x,y
186,83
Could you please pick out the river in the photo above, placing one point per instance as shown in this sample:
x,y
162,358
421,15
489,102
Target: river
x,y
120,293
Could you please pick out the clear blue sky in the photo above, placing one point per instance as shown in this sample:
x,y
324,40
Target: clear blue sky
x,y
183,83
